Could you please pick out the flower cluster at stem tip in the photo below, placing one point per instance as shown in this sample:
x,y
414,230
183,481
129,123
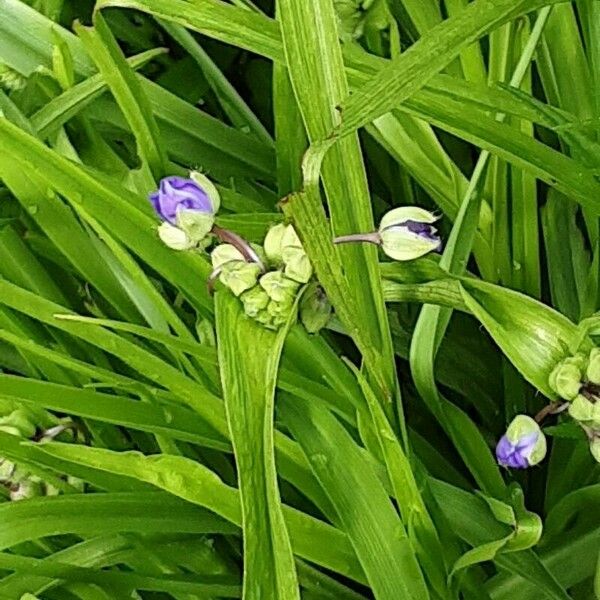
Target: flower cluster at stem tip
x,y
576,379
268,279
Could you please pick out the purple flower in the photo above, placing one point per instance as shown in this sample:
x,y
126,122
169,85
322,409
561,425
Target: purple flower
x,y
523,445
187,208
177,194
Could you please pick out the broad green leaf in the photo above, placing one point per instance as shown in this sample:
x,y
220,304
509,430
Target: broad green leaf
x,y
435,50
362,504
533,336
249,357
95,514
316,70
311,538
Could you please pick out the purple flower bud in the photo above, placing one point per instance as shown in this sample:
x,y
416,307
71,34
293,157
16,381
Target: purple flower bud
x,y
177,194
523,445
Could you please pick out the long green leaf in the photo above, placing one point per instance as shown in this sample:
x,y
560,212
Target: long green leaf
x,y
249,357
361,502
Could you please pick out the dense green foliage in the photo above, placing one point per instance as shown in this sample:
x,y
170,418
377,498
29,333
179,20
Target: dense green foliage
x,y
158,443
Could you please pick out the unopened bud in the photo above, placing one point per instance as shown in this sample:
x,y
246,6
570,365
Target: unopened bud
x,y
175,238
566,378
523,445
593,369
315,308
279,287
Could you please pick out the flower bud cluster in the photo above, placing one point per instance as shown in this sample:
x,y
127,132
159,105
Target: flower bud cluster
x,y
576,379
266,279
26,423
268,295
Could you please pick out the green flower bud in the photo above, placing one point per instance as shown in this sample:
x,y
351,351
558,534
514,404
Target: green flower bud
x,y
406,233
239,276
593,369
254,300
315,308
581,409
595,448
298,266
18,423
195,224
279,287
175,238
225,253
566,378
273,244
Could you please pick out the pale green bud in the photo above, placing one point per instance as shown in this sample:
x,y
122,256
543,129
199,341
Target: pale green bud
x,y
239,276
585,411
273,244
298,266
593,369
175,238
581,409
209,188
225,253
18,423
566,378
279,287
315,308
195,224
254,300
406,233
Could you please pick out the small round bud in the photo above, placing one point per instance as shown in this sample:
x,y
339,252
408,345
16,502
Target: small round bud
x,y
315,308
254,300
523,445
239,276
18,423
407,233
225,253
273,244
175,238
566,378
581,409
195,224
593,369
298,266
279,287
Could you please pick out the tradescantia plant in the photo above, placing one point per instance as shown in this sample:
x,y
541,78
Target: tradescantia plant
x,y
299,299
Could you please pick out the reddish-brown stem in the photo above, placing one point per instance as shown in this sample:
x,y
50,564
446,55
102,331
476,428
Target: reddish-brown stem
x,y
210,284
551,409
246,250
